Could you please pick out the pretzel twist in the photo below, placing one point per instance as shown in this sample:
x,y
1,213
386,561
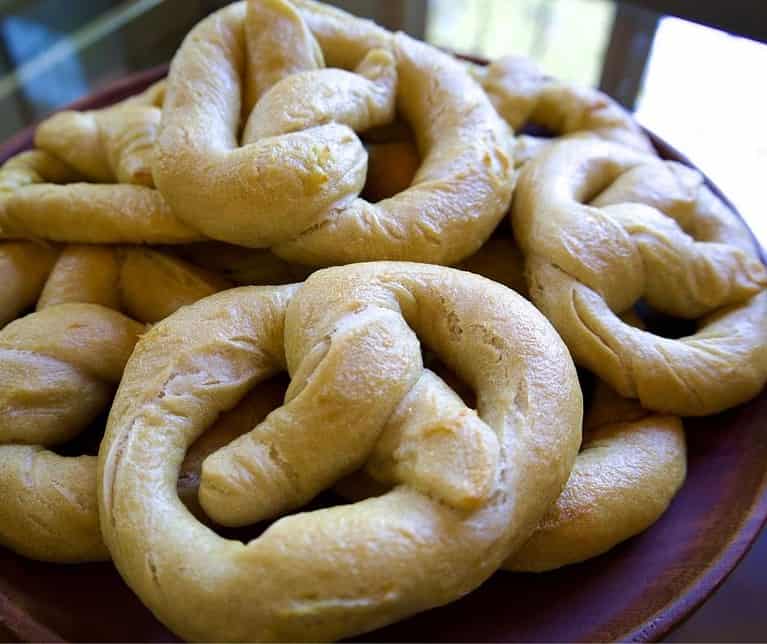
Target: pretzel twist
x,y
111,145
471,486
145,284
42,197
59,369
523,95
299,154
602,227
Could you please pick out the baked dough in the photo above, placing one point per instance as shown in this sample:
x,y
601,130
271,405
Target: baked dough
x,y
601,227
58,370
523,95
41,197
299,153
145,284
92,214
472,494
24,267
49,509
111,145
631,465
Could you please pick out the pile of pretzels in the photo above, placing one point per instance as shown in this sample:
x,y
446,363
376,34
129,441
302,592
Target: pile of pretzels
x,y
310,193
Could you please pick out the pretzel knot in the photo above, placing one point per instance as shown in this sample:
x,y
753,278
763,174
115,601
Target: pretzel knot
x,y
467,486
58,371
291,182
602,227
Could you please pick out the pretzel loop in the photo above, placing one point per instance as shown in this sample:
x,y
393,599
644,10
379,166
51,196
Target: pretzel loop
x,y
59,369
292,181
601,227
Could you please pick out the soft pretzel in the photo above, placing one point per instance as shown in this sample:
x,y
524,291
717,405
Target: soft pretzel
x,y
471,485
111,145
58,370
41,197
601,227
145,284
631,465
523,95
24,267
299,154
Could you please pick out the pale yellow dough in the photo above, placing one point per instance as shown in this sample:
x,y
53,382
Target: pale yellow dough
x,y
145,284
631,464
523,95
292,182
601,227
49,509
59,369
347,337
43,198
111,145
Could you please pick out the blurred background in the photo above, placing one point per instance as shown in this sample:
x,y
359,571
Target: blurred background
x,y
694,72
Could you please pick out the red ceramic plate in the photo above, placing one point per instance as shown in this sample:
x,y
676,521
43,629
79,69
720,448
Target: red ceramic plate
x,y
638,591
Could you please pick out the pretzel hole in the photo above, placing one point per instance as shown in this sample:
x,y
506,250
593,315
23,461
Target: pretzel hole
x,y
662,324
87,442
249,412
432,361
536,130
393,160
